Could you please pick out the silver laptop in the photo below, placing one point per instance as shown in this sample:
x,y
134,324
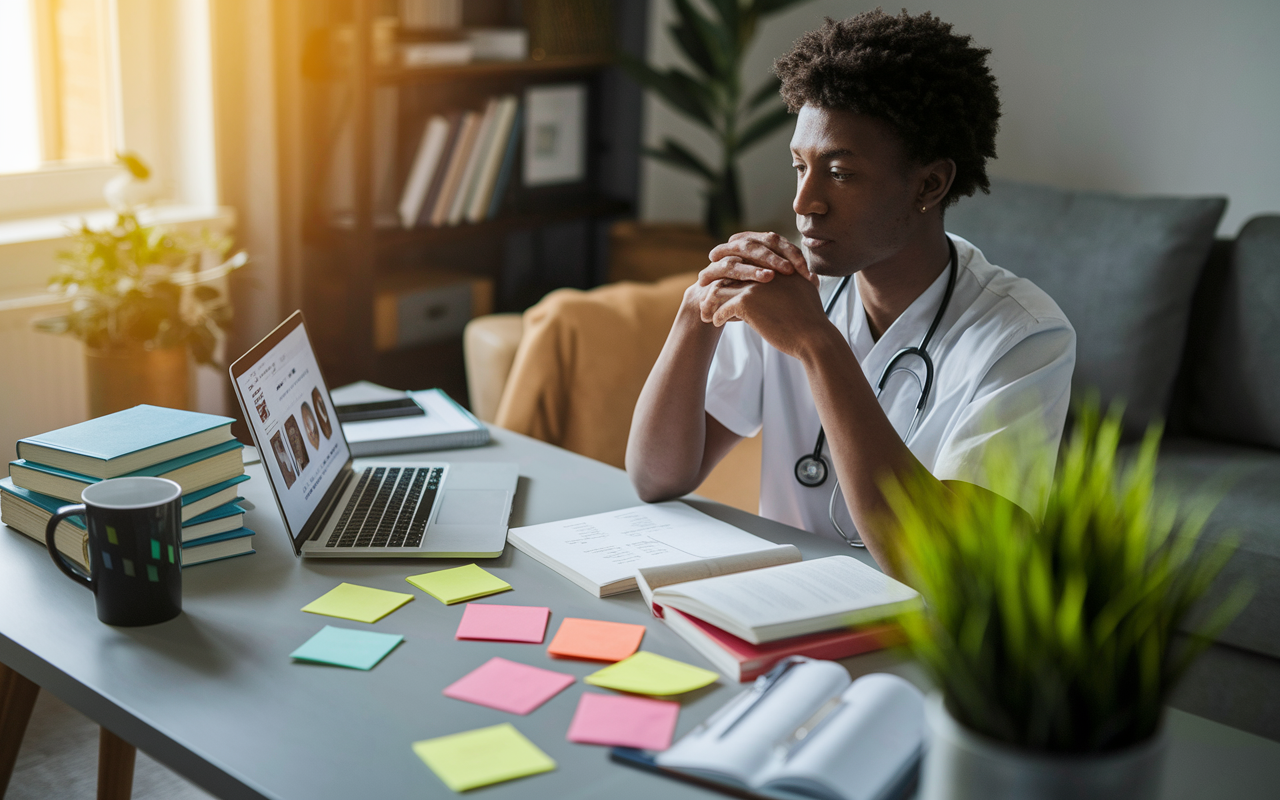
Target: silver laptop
x,y
334,507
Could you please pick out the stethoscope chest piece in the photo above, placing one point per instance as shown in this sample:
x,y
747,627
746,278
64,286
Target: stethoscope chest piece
x,y
811,470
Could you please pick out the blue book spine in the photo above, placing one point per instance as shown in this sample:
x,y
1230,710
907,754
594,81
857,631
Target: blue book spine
x,y
508,165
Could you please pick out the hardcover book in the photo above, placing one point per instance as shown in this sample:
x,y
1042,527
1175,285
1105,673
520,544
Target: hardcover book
x,y
192,472
120,443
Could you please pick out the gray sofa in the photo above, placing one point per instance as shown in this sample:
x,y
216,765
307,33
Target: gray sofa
x,y
1185,329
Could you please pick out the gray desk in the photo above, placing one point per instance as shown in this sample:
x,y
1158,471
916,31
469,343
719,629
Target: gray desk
x,y
214,695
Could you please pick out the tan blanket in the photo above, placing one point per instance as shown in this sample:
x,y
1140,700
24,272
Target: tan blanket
x,y
583,360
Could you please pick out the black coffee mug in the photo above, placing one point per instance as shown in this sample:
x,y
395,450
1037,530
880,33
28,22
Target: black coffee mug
x,y
135,549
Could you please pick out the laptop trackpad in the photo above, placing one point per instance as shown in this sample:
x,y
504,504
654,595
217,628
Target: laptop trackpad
x,y
473,507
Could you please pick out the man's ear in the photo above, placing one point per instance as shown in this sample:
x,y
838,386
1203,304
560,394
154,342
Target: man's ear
x,y
936,182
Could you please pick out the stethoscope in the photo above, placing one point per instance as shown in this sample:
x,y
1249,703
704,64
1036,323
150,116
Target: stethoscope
x,y
812,468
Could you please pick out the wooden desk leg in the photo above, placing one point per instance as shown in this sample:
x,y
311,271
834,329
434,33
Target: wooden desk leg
x,y
17,698
115,767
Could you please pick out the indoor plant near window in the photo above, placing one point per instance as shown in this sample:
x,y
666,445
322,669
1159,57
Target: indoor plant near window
x,y
1055,648
711,94
145,301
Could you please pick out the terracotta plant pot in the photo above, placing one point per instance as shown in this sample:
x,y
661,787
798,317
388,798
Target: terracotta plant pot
x,y
962,765
121,378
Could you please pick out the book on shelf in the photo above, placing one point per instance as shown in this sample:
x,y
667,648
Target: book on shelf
x,y
483,140
444,426
507,168
193,471
431,54
117,444
807,731
432,197
793,599
491,161
470,126
425,163
216,534
499,44
602,552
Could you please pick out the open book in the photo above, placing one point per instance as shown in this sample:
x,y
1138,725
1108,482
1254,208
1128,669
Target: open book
x,y
602,552
804,730
790,599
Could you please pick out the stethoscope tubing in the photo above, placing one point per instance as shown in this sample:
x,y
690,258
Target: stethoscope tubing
x,y
812,469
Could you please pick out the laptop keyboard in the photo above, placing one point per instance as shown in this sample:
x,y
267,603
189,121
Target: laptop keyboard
x,y
389,508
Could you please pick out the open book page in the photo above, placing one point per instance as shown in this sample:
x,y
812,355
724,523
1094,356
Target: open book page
x,y
651,578
861,746
792,599
738,741
605,550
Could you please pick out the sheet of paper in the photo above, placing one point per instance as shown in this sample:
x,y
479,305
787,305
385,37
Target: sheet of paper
x,y
508,686
504,623
650,673
596,639
344,647
618,721
357,603
610,547
455,585
483,756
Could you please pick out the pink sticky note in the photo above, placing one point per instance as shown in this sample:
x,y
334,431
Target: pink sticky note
x,y
504,623
508,686
620,721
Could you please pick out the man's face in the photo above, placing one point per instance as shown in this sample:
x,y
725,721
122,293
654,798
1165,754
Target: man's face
x,y
855,190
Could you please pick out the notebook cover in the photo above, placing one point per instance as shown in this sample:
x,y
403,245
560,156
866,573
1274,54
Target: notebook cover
x,y
125,432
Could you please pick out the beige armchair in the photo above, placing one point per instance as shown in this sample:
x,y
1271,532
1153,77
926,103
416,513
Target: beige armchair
x,y
569,370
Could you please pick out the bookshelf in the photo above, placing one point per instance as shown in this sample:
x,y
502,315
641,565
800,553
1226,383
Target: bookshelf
x,y
362,120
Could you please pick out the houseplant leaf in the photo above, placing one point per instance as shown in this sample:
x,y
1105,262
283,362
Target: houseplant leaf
x,y
762,127
676,155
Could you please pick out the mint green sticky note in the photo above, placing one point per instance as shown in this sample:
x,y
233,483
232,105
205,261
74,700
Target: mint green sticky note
x,y
344,647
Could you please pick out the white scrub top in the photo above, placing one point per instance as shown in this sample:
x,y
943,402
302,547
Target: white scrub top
x,y
1003,356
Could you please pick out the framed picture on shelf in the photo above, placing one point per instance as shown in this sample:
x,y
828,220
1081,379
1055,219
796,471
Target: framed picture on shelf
x,y
555,134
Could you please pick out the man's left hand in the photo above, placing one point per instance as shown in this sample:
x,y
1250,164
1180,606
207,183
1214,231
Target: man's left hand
x,y
786,311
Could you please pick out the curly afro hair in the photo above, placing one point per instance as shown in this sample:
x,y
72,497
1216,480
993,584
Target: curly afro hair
x,y
933,87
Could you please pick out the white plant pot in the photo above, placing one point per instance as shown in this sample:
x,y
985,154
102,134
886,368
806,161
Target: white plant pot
x,y
962,765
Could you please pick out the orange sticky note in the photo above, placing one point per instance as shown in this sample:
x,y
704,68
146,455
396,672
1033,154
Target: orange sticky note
x,y
595,639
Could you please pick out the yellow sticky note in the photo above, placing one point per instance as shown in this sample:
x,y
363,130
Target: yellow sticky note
x,y
483,756
650,673
359,603
451,586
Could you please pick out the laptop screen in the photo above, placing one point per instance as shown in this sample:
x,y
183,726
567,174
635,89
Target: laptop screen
x,y
288,406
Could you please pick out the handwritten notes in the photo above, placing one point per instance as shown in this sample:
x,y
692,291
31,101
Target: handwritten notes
x,y
481,757
624,721
508,686
650,673
459,584
504,623
357,603
595,639
346,647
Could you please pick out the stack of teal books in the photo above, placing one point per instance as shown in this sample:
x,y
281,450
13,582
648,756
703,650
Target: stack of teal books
x,y
196,451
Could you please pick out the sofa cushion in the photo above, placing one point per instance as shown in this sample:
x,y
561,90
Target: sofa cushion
x,y
1233,363
1249,509
1122,268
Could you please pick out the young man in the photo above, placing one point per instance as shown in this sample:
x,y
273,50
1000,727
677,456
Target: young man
x,y
897,117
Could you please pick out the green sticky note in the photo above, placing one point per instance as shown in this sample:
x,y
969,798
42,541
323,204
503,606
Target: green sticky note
x,y
483,756
345,647
455,585
650,673
358,603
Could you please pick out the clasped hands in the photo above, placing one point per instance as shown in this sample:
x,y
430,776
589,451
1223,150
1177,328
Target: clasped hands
x,y
763,280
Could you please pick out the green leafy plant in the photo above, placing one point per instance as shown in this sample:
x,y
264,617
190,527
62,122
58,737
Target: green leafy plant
x,y
1062,637
140,286
712,96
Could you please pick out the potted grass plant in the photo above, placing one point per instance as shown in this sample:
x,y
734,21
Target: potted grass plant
x,y
1055,647
144,300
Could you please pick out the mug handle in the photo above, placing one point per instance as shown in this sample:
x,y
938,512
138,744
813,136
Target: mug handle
x,y
58,558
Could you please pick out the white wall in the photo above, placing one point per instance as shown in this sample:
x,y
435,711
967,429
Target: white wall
x,y
1134,96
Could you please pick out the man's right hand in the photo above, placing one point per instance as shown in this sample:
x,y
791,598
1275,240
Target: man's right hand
x,y
755,256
